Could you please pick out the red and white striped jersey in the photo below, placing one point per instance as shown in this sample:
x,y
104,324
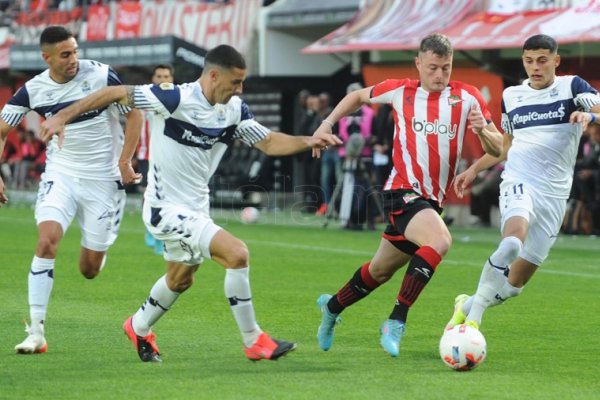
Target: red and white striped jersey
x,y
428,134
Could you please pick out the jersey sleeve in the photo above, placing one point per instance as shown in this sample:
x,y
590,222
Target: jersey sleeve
x,y
249,130
162,99
584,94
480,101
506,124
17,107
383,92
114,80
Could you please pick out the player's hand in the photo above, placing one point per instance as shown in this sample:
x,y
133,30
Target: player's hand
x,y
476,119
3,198
322,139
53,126
583,118
463,181
128,175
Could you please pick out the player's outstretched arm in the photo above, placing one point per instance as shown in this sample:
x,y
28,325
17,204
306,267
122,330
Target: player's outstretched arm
x,y
350,103
96,100
4,130
280,144
133,128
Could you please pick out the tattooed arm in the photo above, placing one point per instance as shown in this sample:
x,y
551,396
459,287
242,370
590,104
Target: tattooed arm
x,y
100,99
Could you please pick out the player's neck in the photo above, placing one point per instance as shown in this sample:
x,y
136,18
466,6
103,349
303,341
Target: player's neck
x,y
545,86
59,78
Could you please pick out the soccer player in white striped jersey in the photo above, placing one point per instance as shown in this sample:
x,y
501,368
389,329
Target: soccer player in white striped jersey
x,y
543,118
195,124
82,178
431,117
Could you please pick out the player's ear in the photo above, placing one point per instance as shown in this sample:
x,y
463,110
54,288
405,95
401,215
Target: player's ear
x,y
214,74
557,60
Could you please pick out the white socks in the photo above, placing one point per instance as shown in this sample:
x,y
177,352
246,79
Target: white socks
x,y
159,302
493,279
40,282
237,290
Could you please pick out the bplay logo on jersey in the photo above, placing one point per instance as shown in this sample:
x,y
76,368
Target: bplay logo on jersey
x,y
434,128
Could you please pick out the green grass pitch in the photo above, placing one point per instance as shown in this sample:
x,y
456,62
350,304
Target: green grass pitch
x,y
541,345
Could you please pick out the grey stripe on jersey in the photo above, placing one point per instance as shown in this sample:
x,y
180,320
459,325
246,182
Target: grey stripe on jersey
x,y
123,109
588,100
251,132
12,119
141,101
506,124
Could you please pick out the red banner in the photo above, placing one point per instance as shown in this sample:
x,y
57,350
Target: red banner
x,y
29,26
128,20
204,24
98,16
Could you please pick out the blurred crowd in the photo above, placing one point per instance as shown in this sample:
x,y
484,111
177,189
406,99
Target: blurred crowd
x,y
369,163
23,159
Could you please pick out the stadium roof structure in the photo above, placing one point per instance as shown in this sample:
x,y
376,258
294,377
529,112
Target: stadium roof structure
x,y
392,25
400,25
494,31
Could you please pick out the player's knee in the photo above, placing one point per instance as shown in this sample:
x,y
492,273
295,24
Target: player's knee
x,y
441,244
46,247
238,256
89,270
512,245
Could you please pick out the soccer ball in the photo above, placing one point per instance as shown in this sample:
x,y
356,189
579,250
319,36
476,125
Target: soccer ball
x,y
249,215
462,348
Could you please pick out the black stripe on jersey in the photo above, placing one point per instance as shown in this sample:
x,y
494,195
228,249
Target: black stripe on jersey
x,y
123,109
169,97
141,101
246,113
542,114
48,111
579,85
191,135
113,78
12,119
254,134
21,98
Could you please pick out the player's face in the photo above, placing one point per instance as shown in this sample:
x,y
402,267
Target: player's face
x,y
434,71
62,59
229,83
162,75
540,66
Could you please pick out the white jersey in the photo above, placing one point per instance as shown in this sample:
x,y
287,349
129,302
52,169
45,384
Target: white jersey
x,y
93,141
544,145
188,139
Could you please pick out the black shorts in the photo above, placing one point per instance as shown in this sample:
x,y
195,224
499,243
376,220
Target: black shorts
x,y
400,206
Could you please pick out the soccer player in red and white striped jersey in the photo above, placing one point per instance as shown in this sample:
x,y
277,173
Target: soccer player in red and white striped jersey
x,y
431,117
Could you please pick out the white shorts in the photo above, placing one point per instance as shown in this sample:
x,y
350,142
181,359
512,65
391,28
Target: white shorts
x,y
545,215
98,206
186,233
